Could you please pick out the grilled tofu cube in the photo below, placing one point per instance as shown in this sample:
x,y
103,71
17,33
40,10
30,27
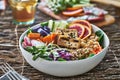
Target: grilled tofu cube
x,y
75,43
62,41
67,42
71,33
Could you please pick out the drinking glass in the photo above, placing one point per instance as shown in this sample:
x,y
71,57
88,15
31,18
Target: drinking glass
x,y
23,11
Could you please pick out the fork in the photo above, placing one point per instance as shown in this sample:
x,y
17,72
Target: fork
x,y
11,73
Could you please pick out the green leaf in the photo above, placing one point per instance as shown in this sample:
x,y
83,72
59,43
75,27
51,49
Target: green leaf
x,y
98,33
81,58
90,55
35,57
29,31
29,49
61,59
84,1
48,58
101,37
44,23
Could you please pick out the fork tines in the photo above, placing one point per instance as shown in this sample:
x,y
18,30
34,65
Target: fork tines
x,y
11,73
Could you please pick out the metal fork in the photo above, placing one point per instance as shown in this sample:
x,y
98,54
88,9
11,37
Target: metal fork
x,y
11,73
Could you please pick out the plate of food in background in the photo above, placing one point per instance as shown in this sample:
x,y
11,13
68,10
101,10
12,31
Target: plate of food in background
x,y
71,10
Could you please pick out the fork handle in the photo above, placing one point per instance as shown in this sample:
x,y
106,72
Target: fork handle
x,y
20,76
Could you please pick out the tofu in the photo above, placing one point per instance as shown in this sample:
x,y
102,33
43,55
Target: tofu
x,y
71,33
71,43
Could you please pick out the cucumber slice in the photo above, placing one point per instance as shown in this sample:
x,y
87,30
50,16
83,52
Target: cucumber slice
x,y
83,5
63,24
44,24
53,25
50,24
74,1
56,25
67,0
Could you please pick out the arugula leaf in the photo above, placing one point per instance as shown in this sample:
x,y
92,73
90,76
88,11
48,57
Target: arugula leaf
x,y
61,59
44,23
29,31
35,56
37,52
30,49
90,55
101,37
47,58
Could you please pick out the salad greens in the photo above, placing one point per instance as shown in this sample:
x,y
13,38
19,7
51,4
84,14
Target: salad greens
x,y
34,42
60,5
49,52
101,37
44,23
53,25
29,30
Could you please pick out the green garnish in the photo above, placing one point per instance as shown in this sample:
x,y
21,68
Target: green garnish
x,y
41,51
44,23
90,55
101,37
37,52
29,30
61,59
59,5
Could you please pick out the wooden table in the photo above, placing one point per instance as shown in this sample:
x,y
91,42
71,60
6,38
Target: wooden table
x,y
108,69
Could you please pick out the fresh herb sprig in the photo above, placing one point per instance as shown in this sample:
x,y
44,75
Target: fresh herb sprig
x,y
41,51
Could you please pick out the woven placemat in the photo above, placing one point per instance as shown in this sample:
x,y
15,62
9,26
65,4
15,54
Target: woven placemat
x,y
108,69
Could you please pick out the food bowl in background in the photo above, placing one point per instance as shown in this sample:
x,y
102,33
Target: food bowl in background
x,y
65,68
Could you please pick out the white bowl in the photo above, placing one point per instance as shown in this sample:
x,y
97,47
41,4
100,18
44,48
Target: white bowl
x,y
65,68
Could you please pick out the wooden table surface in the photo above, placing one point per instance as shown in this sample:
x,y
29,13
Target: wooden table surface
x,y
108,69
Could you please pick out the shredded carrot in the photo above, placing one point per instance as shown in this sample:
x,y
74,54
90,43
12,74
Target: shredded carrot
x,y
34,35
53,35
40,39
49,38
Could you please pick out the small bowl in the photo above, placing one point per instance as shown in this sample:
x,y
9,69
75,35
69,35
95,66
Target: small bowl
x,y
65,68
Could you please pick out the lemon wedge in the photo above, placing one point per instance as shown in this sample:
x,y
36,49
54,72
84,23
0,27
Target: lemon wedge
x,y
19,8
28,9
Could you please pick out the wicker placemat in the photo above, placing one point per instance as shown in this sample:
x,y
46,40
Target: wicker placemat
x,y
108,69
